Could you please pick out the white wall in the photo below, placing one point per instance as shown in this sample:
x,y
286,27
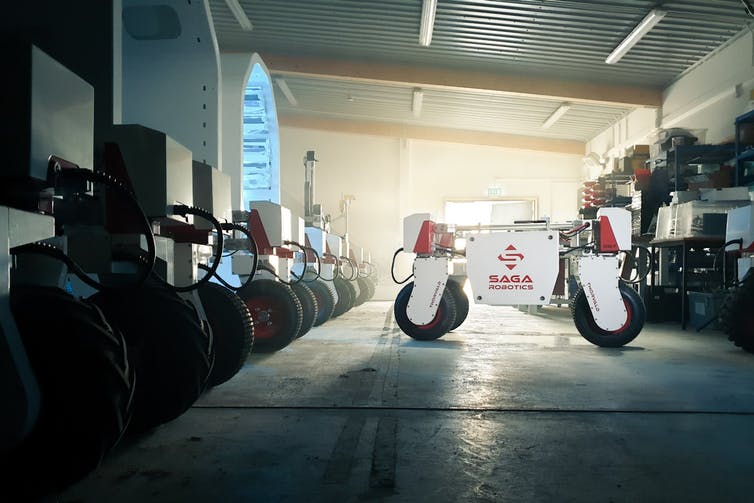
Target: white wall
x,y
705,100
173,84
392,177
443,171
638,127
364,166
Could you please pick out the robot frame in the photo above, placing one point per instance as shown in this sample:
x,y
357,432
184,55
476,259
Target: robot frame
x,y
519,265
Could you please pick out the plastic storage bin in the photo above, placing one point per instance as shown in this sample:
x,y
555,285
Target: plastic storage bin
x,y
703,309
694,219
666,222
703,219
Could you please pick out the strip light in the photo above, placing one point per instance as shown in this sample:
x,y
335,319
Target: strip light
x,y
239,14
557,114
416,103
646,24
429,7
283,85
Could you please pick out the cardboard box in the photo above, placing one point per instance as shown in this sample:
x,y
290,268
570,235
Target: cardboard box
x,y
716,180
638,150
624,190
629,165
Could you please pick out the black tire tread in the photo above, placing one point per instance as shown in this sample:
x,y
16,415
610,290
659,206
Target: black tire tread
x,y
309,307
167,345
461,301
345,297
289,320
446,311
232,330
582,317
365,291
736,315
86,386
325,301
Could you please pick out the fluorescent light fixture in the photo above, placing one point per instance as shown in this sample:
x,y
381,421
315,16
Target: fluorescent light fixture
x,y
557,114
649,21
429,7
283,85
239,14
416,102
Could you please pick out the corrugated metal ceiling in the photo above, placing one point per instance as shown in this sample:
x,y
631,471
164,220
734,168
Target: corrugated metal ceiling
x,y
476,111
553,39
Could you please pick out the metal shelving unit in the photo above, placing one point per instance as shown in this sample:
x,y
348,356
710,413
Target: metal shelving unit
x,y
685,155
744,153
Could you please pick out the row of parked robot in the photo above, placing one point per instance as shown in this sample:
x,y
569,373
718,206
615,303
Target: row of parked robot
x,y
128,286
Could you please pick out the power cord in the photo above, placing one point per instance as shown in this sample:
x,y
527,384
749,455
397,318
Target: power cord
x,y
392,269
58,170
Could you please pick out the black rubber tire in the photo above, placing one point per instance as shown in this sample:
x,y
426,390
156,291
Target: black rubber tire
x,y
585,324
354,294
86,387
325,301
372,288
461,300
737,315
439,326
365,291
345,297
167,345
276,312
309,307
232,331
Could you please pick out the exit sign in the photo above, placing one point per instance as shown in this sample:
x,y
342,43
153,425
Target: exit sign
x,y
494,191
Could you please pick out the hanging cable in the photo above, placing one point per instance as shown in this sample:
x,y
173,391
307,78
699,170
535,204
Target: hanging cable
x,y
336,271
355,267
303,248
369,268
351,275
59,172
51,251
264,267
60,169
252,248
631,280
721,251
183,210
297,278
392,268
318,270
575,231
575,248
220,279
319,265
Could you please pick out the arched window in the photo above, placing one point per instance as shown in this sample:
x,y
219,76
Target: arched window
x,y
261,164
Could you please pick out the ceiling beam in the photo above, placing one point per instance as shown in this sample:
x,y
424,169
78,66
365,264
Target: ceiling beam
x,y
413,76
450,135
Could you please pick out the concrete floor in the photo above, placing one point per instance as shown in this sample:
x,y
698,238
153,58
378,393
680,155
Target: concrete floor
x,y
510,407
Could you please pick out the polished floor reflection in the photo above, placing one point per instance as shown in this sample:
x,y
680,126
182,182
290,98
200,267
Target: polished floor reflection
x,y
509,407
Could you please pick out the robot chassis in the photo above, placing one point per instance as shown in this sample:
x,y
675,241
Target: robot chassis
x,y
735,315
518,265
